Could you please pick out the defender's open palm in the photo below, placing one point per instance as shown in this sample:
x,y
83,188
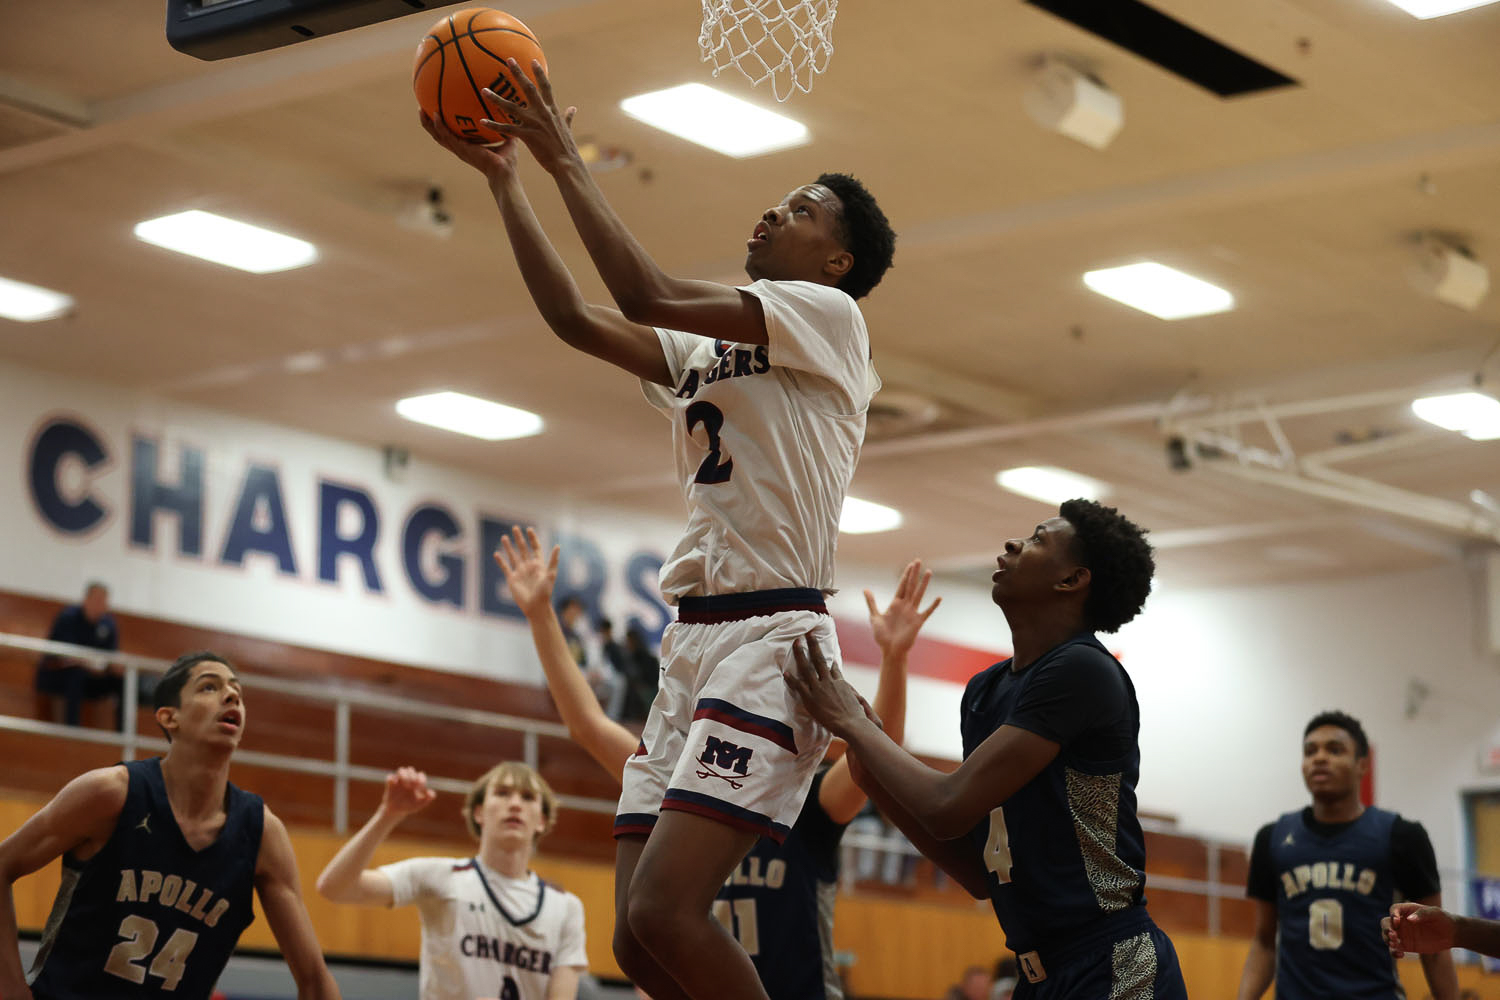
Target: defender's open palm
x,y
529,576
406,792
897,626
547,132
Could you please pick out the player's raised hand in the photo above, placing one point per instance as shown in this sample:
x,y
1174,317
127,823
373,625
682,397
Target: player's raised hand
x,y
406,792
495,162
897,626
1412,927
529,576
828,697
545,130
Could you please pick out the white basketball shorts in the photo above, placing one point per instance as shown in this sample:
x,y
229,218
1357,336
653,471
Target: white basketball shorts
x,y
726,738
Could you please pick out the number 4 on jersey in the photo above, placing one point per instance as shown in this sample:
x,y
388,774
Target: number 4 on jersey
x,y
997,847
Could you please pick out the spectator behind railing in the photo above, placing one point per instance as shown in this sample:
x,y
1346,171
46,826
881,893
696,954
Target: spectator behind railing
x,y
68,683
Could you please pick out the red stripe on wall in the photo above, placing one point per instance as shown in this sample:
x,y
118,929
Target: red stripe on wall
x,y
935,658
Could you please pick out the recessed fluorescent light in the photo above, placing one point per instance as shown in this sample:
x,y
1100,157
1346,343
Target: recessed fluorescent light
x,y
712,118
1425,9
1475,415
1049,484
861,517
227,241
454,411
31,304
1162,291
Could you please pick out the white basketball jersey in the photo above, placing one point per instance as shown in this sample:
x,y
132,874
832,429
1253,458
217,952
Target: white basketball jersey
x,y
766,439
485,935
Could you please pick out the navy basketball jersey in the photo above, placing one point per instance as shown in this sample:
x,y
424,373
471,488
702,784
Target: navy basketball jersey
x,y
148,915
779,906
1332,891
1066,851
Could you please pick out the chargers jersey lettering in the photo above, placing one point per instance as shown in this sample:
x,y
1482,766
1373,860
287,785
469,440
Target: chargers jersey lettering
x,y
766,438
486,935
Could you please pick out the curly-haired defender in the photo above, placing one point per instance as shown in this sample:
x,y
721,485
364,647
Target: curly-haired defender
x,y
1040,818
1119,560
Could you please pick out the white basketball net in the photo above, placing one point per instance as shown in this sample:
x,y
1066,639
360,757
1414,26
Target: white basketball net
x,y
786,41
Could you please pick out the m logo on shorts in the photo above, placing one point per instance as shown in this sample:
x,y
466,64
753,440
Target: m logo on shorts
x,y
726,756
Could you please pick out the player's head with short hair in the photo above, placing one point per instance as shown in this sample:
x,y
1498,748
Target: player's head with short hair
x,y
500,779
169,688
864,231
1344,721
1119,562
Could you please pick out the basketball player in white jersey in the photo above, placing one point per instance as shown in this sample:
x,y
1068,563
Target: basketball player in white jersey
x,y
767,386
491,928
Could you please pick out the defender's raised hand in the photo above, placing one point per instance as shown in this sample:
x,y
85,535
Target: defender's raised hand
x,y
897,626
529,576
406,792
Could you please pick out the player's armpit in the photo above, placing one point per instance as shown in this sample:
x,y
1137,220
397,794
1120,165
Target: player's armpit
x,y
79,819
280,893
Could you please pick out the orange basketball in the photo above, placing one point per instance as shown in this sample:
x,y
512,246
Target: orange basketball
x,y
464,53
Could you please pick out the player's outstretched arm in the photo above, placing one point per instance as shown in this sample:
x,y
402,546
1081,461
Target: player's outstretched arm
x,y
281,898
1260,963
946,805
596,330
348,877
644,293
1437,966
80,818
531,579
1421,929
895,631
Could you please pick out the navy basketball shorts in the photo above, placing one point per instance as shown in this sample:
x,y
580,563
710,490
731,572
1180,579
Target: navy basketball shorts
x,y
726,738
1142,966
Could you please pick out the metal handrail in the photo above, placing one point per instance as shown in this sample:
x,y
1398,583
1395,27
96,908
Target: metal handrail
x,y
343,771
341,698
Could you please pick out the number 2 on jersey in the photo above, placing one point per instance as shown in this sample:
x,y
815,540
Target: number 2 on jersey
x,y
715,468
139,937
997,847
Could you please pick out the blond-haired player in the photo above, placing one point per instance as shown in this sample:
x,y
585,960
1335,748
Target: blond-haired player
x,y
490,926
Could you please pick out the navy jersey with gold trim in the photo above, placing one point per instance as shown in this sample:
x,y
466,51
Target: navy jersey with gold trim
x,y
779,905
1066,851
148,915
1331,884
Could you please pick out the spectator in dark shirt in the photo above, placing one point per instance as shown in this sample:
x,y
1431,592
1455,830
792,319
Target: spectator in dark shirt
x,y
642,674
75,681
